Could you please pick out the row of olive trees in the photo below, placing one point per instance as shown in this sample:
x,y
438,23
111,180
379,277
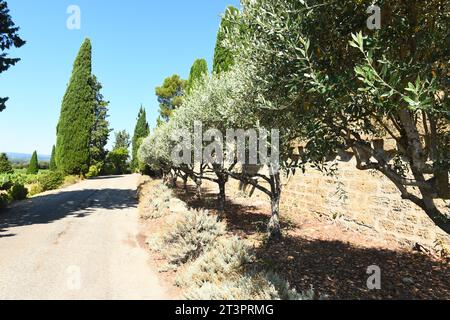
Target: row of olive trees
x,y
312,70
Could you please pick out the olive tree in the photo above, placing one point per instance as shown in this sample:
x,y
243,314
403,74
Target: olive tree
x,y
350,87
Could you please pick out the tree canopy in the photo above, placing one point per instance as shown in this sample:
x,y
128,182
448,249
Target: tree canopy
x,y
170,96
329,84
122,140
9,38
223,56
355,88
100,130
198,71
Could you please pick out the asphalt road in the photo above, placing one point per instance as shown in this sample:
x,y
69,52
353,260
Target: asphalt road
x,y
81,242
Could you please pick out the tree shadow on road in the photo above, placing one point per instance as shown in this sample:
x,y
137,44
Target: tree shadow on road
x,y
52,207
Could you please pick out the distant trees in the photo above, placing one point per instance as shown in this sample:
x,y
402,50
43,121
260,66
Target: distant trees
x,y
5,164
33,167
170,96
9,38
223,56
198,71
117,158
77,116
100,129
122,140
141,131
52,164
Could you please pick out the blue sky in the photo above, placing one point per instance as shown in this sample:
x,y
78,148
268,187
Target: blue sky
x,y
136,44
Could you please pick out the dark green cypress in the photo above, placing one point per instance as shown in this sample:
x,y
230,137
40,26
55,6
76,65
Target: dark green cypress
x,y
140,131
223,57
77,117
5,164
52,165
33,167
100,130
198,70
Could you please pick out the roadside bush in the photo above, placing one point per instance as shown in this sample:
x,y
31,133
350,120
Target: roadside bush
x,y
225,258
192,234
31,178
18,192
69,180
220,274
263,286
159,204
51,180
94,171
5,182
4,200
35,189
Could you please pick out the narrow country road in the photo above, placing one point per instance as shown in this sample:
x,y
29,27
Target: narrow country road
x,y
81,242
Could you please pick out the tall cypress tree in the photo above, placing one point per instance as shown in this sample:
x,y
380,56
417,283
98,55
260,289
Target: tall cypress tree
x,y
77,116
100,130
140,131
33,167
52,165
223,57
198,70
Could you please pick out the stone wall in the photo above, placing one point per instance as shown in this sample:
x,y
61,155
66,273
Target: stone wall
x,y
359,200
362,200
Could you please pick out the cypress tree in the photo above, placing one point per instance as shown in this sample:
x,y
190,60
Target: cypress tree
x,y
198,70
100,130
52,165
77,117
5,164
140,131
223,57
33,167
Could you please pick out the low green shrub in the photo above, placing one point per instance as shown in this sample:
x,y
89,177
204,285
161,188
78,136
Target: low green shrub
x,y
31,178
6,182
51,180
18,192
4,200
94,171
35,189
69,180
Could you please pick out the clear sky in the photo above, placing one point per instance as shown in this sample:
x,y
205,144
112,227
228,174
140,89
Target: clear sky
x,y
136,44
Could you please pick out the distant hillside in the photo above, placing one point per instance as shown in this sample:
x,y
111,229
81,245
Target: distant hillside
x,y
24,157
